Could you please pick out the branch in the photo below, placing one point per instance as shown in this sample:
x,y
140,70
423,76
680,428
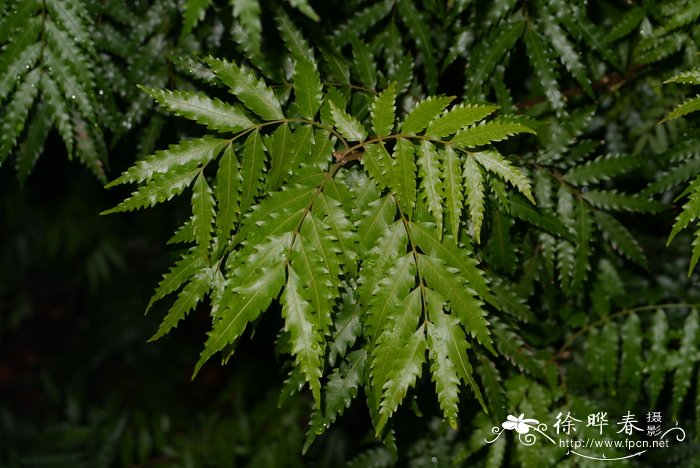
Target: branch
x,y
607,84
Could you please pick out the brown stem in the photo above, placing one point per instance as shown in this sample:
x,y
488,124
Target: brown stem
x,y
605,85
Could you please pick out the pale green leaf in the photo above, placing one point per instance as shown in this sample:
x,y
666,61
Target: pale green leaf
x,y
457,118
248,299
163,186
620,237
347,125
307,88
202,213
187,300
184,269
474,187
428,240
378,164
306,343
658,355
601,168
454,190
689,106
252,91
408,367
403,180
252,167
424,112
488,132
382,111
417,24
431,186
494,162
185,153
228,184
687,359
461,298
614,201
211,112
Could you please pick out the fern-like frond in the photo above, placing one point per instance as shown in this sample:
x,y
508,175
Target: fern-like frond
x,y
48,64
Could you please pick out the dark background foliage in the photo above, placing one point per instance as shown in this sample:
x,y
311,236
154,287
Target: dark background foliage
x,y
81,386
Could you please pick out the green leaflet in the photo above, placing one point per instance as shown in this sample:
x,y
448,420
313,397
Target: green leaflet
x,y
207,111
245,86
282,147
341,389
424,112
375,221
184,269
347,327
202,213
454,190
185,153
247,296
691,105
567,53
403,175
382,111
520,208
162,187
347,125
378,164
490,52
440,331
294,39
387,294
417,25
461,298
447,346
363,61
228,184
340,228
625,25
494,162
500,247
307,88
583,250
299,322
408,368
247,12
428,240
619,237
611,200
457,118
304,7
398,325
193,14
687,77
252,167
658,355
488,132
687,359
187,300
545,68
491,380
318,265
631,361
474,187
601,168
431,186
281,212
